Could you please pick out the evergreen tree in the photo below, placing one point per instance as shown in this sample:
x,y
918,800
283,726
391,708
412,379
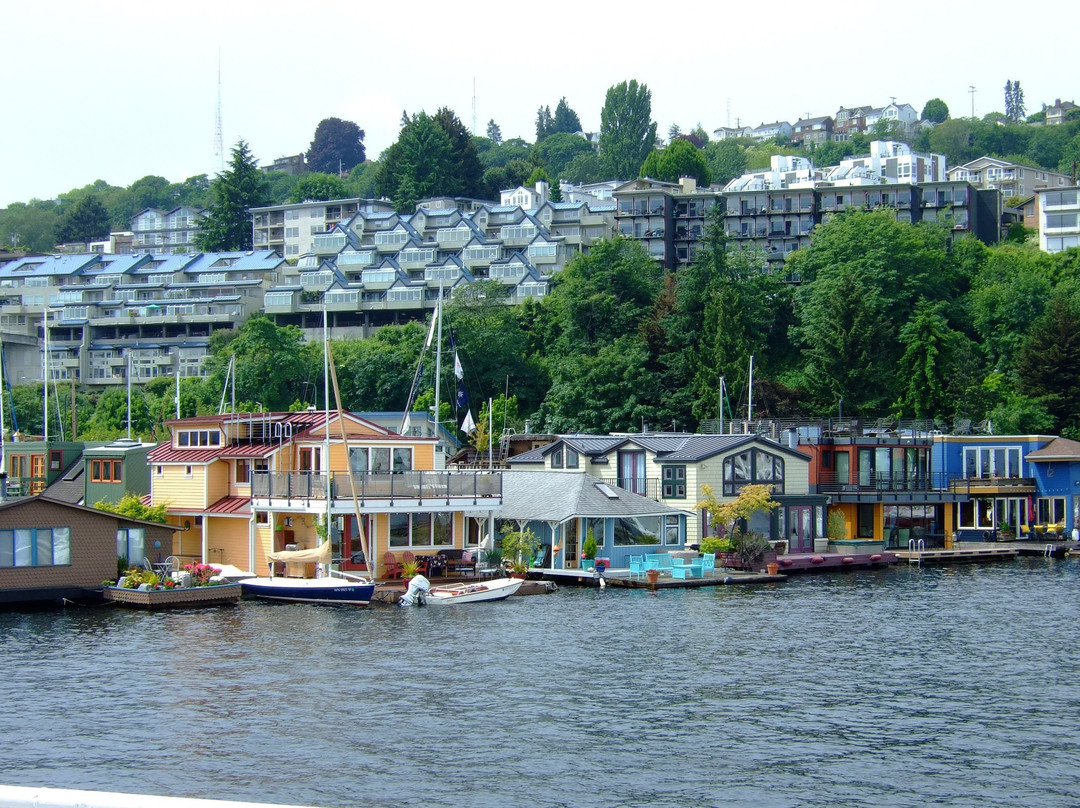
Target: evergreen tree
x,y
87,220
566,120
545,124
226,224
493,132
466,169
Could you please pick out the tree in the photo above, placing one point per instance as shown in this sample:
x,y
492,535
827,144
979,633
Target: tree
x,y
418,165
468,171
627,131
88,220
556,151
583,168
545,124
493,132
726,160
318,187
674,131
336,147
1048,364
131,506
538,175
928,362
726,515
1014,101
29,227
679,159
226,224
271,364
935,111
566,120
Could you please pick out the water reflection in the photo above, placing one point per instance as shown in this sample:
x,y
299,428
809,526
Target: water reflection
x,y
900,687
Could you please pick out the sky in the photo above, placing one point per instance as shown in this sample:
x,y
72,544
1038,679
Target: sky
x,y
117,90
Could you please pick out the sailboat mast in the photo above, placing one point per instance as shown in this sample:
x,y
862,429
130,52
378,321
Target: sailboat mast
x,y
326,420
750,392
45,374
438,360
3,428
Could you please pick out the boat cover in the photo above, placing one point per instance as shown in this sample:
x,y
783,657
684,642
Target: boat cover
x,y
319,555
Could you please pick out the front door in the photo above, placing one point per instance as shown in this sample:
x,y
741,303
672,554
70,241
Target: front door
x,y
37,473
353,557
801,538
570,556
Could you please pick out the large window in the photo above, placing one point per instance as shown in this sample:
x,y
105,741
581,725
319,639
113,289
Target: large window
x,y
131,544
35,547
753,466
106,471
198,437
635,530
421,529
992,461
1050,511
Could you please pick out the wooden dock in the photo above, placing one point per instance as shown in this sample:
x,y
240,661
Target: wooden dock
x,y
620,578
963,555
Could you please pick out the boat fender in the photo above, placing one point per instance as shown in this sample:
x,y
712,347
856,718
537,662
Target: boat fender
x,y
876,557
786,562
849,560
817,560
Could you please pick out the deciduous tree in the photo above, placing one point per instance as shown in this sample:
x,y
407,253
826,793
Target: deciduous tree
x,y
336,147
935,111
627,131
318,187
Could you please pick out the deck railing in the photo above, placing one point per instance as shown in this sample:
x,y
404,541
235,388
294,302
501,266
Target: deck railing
x,y
877,483
408,485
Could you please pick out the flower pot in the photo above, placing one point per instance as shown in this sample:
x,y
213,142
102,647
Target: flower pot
x,y
653,576
772,568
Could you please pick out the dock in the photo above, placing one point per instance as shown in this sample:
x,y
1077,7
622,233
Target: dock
x,y
620,578
970,552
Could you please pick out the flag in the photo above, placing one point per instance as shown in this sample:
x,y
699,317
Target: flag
x,y
468,426
462,396
406,425
431,330
458,370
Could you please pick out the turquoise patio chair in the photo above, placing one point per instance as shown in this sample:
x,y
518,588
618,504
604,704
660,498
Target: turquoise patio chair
x,y
637,566
664,563
652,561
708,563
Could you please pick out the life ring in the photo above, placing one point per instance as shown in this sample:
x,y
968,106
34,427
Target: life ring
x,y
986,535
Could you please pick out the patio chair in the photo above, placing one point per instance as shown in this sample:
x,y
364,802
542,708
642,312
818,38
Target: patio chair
x,y
391,567
637,566
708,563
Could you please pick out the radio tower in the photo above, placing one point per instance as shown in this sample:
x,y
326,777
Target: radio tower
x,y
219,137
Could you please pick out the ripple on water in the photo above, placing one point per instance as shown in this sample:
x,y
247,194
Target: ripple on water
x,y
904,687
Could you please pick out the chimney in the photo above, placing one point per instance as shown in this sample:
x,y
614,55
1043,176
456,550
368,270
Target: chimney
x,y
528,426
688,185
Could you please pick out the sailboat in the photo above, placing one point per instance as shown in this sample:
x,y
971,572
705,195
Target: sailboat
x,y
333,587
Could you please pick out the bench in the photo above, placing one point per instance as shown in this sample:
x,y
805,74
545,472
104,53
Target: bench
x,y
681,568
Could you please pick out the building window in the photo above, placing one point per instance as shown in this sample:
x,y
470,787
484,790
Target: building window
x,y
571,458
159,471
637,530
557,459
35,547
421,530
187,471
243,472
1050,511
106,471
672,533
262,517
674,478
131,544
199,437
753,466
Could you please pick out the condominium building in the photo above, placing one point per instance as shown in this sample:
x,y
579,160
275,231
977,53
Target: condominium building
x,y
291,229
1059,218
153,314
165,231
1012,179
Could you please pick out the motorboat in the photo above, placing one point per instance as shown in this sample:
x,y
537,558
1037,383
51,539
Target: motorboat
x,y
421,593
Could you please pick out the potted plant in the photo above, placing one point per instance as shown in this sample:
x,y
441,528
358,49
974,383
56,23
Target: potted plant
x,y
409,570
518,547
588,551
750,549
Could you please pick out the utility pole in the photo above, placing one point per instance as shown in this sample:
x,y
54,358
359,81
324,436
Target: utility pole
x,y
971,89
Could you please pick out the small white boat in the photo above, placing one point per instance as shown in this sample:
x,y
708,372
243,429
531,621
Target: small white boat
x,y
495,589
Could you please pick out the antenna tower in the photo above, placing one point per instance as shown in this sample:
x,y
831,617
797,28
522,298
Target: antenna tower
x,y
219,136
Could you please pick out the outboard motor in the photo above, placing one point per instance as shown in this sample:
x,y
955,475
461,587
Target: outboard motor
x,y
416,594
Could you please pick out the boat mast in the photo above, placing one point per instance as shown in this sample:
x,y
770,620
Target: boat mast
x,y
326,424
45,375
3,428
438,359
750,393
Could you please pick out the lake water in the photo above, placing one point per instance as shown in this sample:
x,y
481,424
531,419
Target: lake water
x,y
947,686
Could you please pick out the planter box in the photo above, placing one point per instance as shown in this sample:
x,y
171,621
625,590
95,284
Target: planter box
x,y
852,546
178,597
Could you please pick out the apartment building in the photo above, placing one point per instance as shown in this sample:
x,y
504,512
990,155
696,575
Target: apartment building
x,y
152,314
164,231
1012,179
291,229
1058,213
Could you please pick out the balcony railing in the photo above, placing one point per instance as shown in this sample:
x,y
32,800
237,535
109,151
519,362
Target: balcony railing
x,y
448,486
644,486
886,483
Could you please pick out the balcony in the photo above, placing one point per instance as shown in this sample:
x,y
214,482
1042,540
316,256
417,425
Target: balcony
x,y
294,489
648,487
891,487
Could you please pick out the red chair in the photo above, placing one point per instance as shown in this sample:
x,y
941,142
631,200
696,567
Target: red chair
x,y
391,567
422,562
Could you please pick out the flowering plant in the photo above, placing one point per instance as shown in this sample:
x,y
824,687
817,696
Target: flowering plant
x,y
200,573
